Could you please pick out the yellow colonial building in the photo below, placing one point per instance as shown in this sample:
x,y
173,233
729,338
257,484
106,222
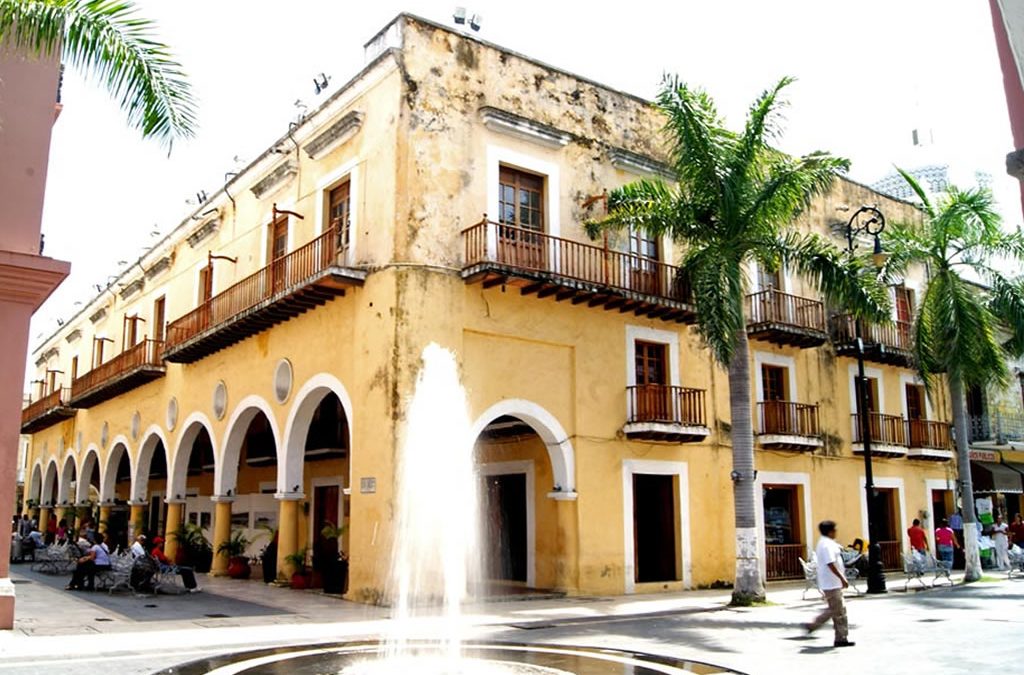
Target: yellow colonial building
x,y
255,367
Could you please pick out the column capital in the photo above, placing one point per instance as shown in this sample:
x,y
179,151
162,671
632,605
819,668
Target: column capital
x,y
174,500
82,505
222,499
107,505
560,496
137,502
289,496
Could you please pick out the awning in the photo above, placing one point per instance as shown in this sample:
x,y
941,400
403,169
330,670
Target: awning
x,y
1016,466
989,477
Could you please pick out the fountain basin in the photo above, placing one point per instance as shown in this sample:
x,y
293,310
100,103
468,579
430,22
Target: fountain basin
x,y
362,658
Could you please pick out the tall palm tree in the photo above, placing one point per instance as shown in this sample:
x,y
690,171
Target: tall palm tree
x,y
968,310
733,203
107,39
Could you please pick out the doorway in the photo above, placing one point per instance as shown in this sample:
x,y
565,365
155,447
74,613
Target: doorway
x,y
887,528
326,502
654,528
505,526
782,532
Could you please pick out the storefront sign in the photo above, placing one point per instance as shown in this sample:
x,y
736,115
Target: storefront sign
x,y
984,456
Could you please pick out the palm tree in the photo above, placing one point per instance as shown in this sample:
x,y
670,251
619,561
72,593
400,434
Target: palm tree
x,y
108,39
969,306
733,203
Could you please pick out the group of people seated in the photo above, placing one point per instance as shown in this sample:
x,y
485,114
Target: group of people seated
x,y
146,562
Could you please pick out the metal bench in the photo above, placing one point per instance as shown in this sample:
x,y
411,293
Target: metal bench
x,y
915,567
849,570
1016,562
56,559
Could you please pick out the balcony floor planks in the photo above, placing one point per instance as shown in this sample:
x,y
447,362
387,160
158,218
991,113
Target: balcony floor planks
x,y
282,307
115,386
47,419
546,284
877,353
783,334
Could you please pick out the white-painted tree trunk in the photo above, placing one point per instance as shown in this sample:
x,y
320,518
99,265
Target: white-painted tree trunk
x,y
961,427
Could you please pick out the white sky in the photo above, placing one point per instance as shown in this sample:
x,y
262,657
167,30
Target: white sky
x,y
869,71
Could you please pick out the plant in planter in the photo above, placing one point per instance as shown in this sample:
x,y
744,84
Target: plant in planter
x,y
194,549
234,548
335,569
301,577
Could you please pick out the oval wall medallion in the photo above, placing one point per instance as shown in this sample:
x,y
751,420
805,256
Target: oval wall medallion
x,y
220,400
172,414
104,434
136,422
283,380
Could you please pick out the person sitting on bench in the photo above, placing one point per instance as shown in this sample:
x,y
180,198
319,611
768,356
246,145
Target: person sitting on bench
x,y
97,559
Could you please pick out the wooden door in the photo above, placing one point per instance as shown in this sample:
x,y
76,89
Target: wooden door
x,y
644,255
325,510
653,395
521,210
159,318
506,535
278,251
340,215
775,394
205,284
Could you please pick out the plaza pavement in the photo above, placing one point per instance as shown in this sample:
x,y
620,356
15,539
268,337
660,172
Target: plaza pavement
x,y
942,630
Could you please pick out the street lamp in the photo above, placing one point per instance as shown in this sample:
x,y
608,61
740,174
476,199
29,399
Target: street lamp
x,y
868,220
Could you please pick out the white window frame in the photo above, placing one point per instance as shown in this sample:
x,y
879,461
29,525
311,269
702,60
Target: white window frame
x,y
268,222
905,379
893,484
931,486
666,337
347,171
498,156
773,359
526,467
870,372
662,468
213,280
755,282
802,480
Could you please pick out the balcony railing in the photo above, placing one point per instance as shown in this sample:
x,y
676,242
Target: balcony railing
x,y
783,561
788,418
929,434
129,369
997,425
667,404
300,280
888,430
784,318
570,269
47,411
890,343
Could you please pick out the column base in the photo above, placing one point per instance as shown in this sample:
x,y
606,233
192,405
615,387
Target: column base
x,y
6,604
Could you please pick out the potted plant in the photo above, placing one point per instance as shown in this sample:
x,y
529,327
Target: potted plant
x,y
234,548
300,576
335,568
194,549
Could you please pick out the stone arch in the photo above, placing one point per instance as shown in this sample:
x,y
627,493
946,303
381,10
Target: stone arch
x,y
560,450
177,471
291,453
49,482
35,484
153,436
68,473
226,474
90,460
108,477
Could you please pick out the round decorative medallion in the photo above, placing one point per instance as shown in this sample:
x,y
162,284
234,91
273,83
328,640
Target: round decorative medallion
x,y
104,434
172,414
283,380
220,400
136,423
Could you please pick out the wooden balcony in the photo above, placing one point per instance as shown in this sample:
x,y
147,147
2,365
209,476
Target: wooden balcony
x,y
131,368
890,343
783,561
291,285
661,412
785,319
888,435
786,425
544,265
929,440
47,411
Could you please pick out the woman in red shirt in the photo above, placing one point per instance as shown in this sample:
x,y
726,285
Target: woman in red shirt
x,y
1017,531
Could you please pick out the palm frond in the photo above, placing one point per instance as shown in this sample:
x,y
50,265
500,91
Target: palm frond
x,y
1006,302
650,206
790,186
718,292
907,244
926,202
110,42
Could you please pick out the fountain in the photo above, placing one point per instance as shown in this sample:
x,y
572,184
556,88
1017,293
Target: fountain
x,y
436,560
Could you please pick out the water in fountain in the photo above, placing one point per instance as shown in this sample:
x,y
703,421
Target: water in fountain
x,y
435,547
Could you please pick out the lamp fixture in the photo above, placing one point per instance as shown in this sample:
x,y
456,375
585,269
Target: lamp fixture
x,y
320,82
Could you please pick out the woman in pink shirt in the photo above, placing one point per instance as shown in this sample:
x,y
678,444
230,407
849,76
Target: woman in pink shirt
x,y
945,541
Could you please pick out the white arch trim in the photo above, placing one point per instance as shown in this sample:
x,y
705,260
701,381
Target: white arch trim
x,y
291,453
50,477
560,452
108,474
177,468
140,472
35,483
69,465
89,459
225,474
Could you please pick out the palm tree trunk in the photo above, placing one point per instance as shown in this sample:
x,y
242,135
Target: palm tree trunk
x,y
961,430
748,587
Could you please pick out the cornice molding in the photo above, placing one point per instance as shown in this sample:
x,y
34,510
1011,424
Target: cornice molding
x,y
510,124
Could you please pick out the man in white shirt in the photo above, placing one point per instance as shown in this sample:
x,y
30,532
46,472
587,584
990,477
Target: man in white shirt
x,y
831,582
138,548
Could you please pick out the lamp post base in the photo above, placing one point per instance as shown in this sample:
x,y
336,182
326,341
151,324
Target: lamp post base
x,y
876,573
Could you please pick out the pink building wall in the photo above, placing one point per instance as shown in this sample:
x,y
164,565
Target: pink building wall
x,y
28,109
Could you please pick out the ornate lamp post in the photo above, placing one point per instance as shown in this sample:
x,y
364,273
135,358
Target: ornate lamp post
x,y
868,220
